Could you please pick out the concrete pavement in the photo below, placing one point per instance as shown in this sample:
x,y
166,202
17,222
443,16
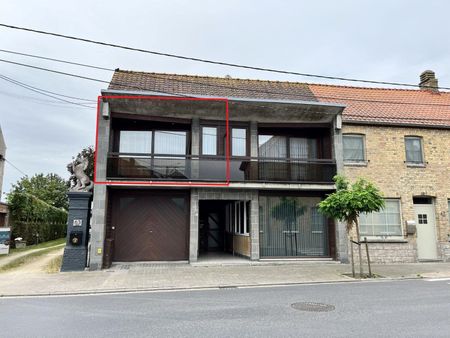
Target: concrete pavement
x,y
167,276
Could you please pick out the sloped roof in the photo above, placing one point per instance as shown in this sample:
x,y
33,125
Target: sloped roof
x,y
363,104
384,105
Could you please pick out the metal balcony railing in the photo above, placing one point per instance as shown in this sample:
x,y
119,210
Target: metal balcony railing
x,y
213,168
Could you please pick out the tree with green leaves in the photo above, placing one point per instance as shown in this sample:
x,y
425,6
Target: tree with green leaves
x,y
50,188
349,201
38,207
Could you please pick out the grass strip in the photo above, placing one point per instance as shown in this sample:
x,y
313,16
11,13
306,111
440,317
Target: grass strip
x,y
54,265
18,262
40,245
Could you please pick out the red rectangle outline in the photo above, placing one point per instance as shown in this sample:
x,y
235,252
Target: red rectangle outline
x,y
167,183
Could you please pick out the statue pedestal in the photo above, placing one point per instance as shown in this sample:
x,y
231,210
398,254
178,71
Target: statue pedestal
x,y
75,252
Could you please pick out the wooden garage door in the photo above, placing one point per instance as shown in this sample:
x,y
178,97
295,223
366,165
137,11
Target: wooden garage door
x,y
149,225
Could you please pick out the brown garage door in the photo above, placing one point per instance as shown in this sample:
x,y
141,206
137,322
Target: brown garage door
x,y
149,225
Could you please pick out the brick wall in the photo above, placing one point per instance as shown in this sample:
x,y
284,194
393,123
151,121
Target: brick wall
x,y
386,167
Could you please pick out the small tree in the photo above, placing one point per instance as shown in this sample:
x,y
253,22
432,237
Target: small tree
x,y
349,201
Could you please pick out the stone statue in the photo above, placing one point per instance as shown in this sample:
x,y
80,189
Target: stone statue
x,y
76,169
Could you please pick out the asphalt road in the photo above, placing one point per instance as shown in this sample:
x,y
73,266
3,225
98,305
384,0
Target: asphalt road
x,y
410,308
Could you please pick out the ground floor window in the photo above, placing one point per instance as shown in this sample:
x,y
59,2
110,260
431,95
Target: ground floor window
x,y
237,218
384,223
291,226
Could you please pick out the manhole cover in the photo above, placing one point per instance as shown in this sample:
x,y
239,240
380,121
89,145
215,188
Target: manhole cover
x,y
312,307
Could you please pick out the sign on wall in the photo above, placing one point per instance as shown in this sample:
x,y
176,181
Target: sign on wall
x,y
5,234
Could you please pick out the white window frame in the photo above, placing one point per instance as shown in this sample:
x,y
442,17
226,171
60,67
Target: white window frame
x,y
386,237
240,222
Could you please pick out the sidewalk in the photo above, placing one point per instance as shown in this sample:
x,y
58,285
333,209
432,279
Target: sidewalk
x,y
155,276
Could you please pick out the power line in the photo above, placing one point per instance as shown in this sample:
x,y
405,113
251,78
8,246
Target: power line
x,y
228,87
222,86
55,60
37,91
85,77
51,103
50,92
220,63
9,162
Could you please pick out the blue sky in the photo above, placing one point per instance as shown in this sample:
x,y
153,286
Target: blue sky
x,y
380,40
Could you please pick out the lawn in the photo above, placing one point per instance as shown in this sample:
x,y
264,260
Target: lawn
x,y
39,246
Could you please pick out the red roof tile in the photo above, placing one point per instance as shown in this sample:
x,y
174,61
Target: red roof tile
x,y
366,105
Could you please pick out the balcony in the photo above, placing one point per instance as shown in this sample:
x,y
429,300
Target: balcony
x,y
134,167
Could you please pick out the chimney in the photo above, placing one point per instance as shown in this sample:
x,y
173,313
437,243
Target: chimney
x,y
428,81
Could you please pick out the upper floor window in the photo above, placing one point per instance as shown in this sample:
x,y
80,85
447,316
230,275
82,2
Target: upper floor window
x,y
167,142
353,148
209,140
135,142
238,142
384,223
287,147
414,150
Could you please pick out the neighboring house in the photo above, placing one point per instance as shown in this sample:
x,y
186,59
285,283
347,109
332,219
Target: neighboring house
x,y
3,206
161,168
405,150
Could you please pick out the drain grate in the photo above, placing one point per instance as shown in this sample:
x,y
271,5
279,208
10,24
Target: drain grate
x,y
312,307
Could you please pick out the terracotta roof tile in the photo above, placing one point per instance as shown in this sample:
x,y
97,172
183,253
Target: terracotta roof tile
x,y
363,104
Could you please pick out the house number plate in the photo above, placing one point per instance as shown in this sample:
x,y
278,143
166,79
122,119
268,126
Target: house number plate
x,y
77,222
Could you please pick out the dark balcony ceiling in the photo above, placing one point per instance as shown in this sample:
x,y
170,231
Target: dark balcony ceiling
x,y
240,109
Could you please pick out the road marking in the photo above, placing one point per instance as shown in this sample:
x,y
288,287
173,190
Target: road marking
x,y
438,279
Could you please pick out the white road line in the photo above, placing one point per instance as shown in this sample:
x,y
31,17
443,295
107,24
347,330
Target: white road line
x,y
437,279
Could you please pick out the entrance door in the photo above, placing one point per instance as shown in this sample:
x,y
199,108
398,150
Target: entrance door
x,y
426,231
149,225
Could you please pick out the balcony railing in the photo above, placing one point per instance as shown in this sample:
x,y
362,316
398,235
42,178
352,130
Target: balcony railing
x,y
213,168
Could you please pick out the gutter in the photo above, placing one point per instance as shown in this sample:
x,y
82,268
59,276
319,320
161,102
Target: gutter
x,y
234,99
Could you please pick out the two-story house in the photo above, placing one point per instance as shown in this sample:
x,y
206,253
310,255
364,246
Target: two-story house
x,y
400,140
191,167
188,167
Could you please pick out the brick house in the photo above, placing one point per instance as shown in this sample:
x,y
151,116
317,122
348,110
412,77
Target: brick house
x,y
165,190
405,150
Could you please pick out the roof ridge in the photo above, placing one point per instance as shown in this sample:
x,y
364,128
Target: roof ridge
x,y
277,81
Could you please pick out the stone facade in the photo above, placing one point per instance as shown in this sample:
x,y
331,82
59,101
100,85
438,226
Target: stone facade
x,y
386,167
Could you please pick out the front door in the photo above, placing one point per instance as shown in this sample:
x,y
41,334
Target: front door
x,y
426,231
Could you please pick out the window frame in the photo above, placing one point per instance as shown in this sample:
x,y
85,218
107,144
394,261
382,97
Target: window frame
x,y
422,153
362,161
380,237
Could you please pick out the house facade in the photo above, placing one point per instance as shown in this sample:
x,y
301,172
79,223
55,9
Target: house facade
x,y
181,179
189,168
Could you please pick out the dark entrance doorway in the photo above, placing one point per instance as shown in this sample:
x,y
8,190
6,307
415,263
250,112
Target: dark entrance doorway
x,y
224,229
212,234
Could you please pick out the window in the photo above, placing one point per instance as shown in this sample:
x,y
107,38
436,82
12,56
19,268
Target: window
x,y
386,222
209,140
170,142
135,142
413,147
448,212
238,142
353,148
272,146
238,218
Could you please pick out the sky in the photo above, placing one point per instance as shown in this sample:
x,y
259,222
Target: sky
x,y
380,40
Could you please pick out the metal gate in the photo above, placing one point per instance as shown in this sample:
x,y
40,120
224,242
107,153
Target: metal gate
x,y
291,226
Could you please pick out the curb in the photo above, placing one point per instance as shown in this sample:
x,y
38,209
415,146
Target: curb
x,y
198,288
